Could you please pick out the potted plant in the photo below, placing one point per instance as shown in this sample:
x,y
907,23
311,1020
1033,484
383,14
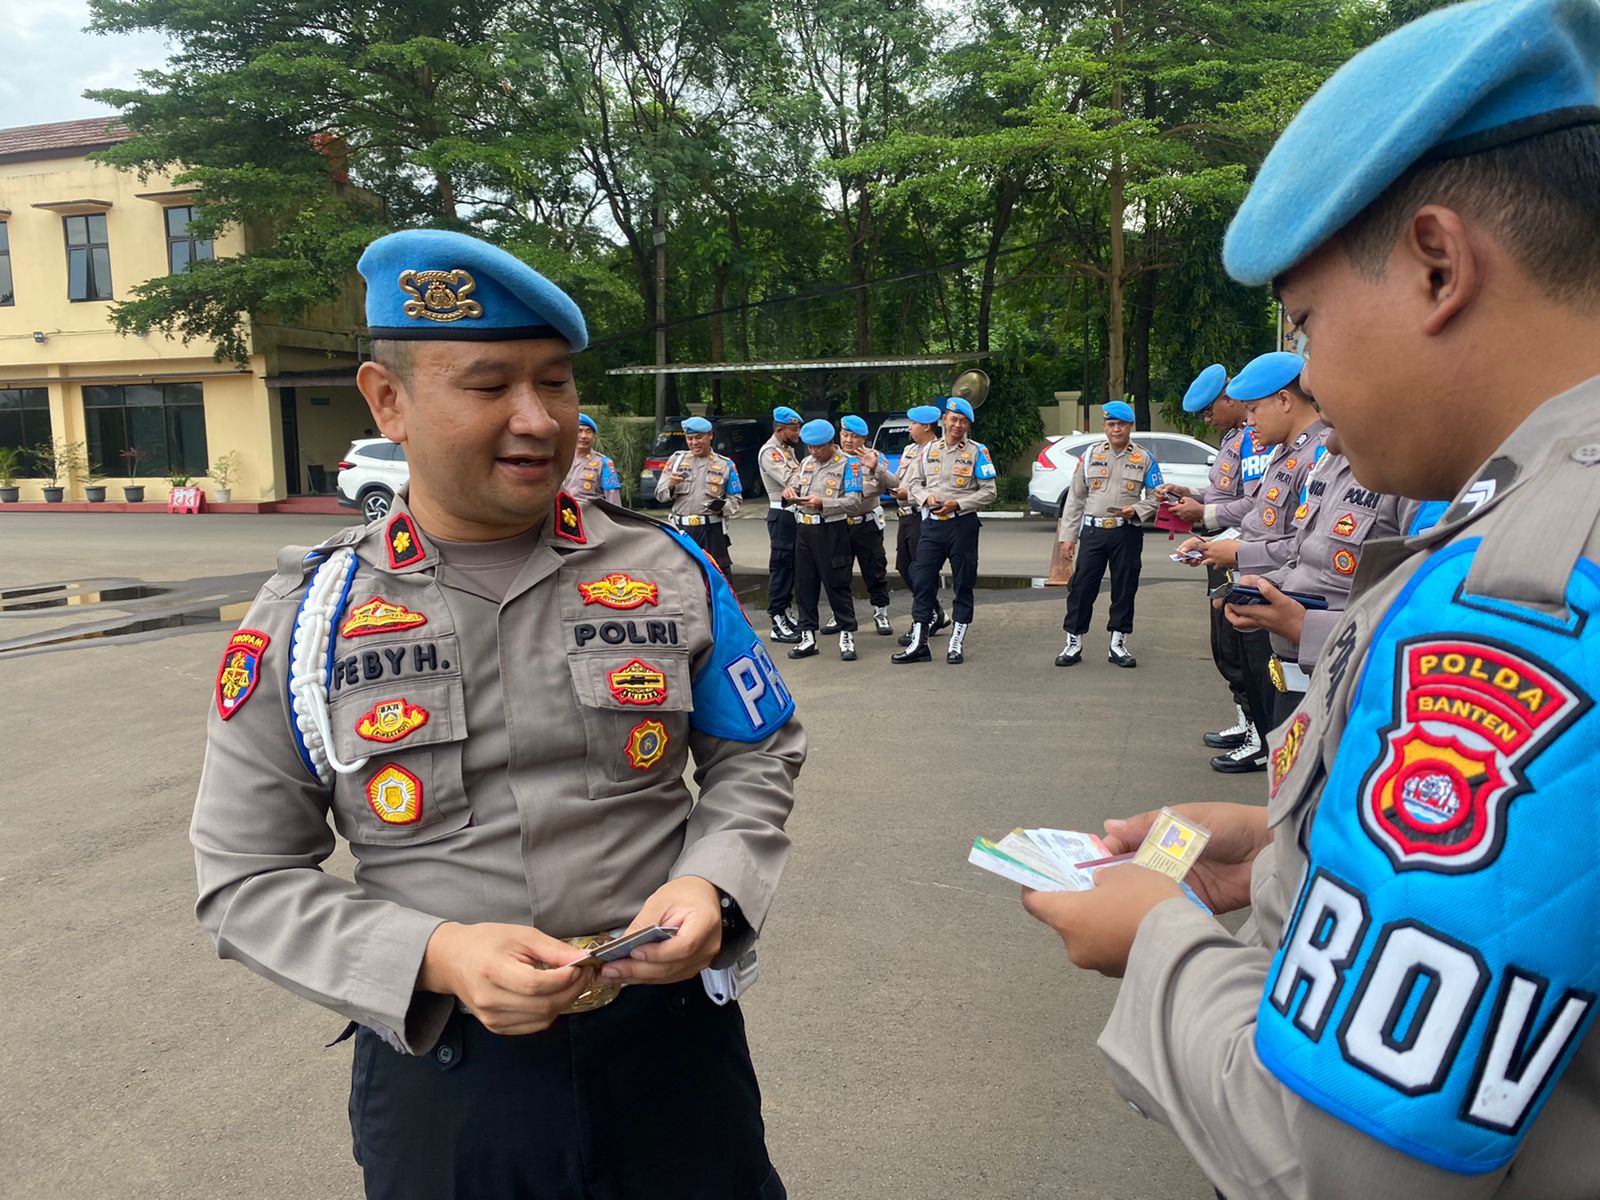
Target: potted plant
x,y
131,457
94,486
10,464
223,472
60,462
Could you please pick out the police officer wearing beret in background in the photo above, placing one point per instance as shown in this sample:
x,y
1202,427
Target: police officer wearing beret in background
x,y
865,521
778,469
592,474
1409,1014
496,693
1228,496
1111,494
922,422
1278,411
705,492
953,479
827,487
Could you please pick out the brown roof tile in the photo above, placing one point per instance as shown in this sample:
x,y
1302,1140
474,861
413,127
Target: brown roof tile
x,y
51,141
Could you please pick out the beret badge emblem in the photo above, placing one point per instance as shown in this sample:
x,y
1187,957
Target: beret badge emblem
x,y
439,295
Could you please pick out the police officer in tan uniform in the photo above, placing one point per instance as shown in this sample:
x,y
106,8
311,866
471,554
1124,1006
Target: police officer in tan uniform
x,y
495,695
779,466
1112,494
1409,1012
592,475
865,519
705,492
824,492
923,424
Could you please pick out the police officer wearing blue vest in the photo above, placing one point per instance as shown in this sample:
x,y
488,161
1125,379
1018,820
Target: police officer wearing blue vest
x,y
1409,1013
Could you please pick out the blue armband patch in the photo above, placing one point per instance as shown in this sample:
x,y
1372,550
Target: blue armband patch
x,y
985,463
1152,477
738,693
1443,961
608,476
735,488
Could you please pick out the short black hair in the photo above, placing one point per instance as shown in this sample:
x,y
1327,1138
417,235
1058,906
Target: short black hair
x,y
1539,196
396,355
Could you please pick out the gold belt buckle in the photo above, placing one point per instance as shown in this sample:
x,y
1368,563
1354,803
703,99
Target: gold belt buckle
x,y
1108,522
1275,673
599,994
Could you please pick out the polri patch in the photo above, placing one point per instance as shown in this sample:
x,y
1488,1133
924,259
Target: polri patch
x,y
395,796
1288,751
405,547
1470,717
620,590
569,520
638,683
647,743
379,616
240,670
391,720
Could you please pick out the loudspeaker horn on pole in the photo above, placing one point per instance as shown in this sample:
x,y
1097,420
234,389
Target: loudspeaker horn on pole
x,y
972,386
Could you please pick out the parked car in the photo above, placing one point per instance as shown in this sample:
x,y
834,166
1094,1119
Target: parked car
x,y
370,474
740,438
891,439
1184,460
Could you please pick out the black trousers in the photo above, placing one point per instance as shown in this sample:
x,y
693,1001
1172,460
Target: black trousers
x,y
780,564
1122,548
590,1109
713,539
954,541
908,531
1261,698
866,547
822,563
1226,650
1283,705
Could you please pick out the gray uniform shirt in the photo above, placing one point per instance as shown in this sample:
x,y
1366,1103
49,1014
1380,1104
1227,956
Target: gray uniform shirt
x,y
1267,532
778,467
909,457
960,471
524,712
829,480
875,480
1180,1040
1225,480
588,476
709,479
1106,480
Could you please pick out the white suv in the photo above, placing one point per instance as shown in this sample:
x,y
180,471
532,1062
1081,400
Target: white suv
x,y
1183,459
372,471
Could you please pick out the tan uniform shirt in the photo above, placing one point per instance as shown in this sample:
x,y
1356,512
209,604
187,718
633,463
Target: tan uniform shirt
x,y
837,482
909,457
593,476
960,471
1106,482
711,478
522,715
875,480
778,469
1266,535
1181,1038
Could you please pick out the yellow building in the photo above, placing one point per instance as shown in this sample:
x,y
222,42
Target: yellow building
x,y
76,235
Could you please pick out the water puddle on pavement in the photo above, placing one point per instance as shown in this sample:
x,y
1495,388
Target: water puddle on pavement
x,y
55,596
117,608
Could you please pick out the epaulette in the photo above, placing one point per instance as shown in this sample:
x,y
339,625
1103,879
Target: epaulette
x,y
295,563
616,511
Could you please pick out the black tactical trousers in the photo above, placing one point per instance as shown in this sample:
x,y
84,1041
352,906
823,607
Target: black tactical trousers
x,y
822,562
1226,649
780,565
866,547
582,1111
908,531
954,541
1122,548
713,539
1261,698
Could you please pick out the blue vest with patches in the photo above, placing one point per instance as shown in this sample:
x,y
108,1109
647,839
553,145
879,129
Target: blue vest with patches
x,y
1253,459
1443,960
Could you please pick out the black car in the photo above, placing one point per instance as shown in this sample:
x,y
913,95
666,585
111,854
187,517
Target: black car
x,y
740,438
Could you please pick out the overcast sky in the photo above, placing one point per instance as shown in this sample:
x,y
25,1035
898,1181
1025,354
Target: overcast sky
x,y
50,61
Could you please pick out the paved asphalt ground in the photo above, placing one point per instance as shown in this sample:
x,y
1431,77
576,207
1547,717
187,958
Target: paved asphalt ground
x,y
916,1034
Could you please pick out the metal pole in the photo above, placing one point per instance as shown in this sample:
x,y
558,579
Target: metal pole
x,y
660,236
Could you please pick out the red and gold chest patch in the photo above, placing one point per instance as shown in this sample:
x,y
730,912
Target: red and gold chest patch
x,y
569,520
647,744
395,796
1345,561
405,547
638,683
620,590
1273,493
240,670
379,616
1345,526
391,720
1269,517
1287,751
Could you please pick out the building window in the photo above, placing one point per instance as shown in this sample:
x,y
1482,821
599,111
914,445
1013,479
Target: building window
x,y
88,258
183,248
167,422
7,296
24,416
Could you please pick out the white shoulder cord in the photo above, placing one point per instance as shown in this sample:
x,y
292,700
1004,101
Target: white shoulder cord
x,y
308,663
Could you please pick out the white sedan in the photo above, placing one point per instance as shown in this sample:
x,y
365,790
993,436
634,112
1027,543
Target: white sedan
x,y
1183,460
372,471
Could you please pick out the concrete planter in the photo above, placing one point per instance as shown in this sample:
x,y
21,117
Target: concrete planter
x,y
221,495
54,495
94,494
8,495
134,495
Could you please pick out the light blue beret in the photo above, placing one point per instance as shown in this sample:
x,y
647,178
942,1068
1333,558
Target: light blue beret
x,y
438,285
853,424
924,414
816,433
1266,374
955,404
1457,81
784,415
1205,389
1118,411
697,425
587,422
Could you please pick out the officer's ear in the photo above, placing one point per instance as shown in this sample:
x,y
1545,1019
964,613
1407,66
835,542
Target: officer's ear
x,y
383,389
1441,264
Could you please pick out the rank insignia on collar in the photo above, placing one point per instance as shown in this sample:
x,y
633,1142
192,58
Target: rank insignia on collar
x,y
240,670
395,796
391,720
1283,758
620,590
569,520
439,295
1345,526
405,547
1344,561
647,743
379,616
638,683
